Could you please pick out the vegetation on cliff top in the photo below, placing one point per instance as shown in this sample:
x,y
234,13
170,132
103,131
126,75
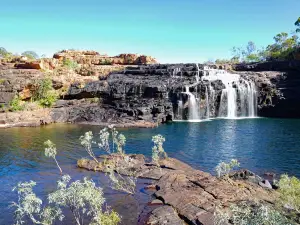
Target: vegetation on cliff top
x,y
285,47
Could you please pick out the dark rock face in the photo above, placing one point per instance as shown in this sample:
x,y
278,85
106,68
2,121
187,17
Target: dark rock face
x,y
152,93
286,103
147,95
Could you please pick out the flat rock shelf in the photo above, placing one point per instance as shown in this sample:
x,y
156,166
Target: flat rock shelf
x,y
188,195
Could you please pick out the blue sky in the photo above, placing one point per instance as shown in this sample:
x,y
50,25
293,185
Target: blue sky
x,y
170,30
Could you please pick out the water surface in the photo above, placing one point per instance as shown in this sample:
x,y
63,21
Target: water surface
x,y
261,145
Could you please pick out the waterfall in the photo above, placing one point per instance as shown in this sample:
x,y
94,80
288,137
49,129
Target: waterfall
x,y
194,113
238,99
207,103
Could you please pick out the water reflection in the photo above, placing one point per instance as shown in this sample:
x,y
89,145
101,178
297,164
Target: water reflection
x,y
260,144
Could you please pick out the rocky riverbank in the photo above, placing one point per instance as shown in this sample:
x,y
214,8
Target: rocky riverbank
x,y
105,90
186,195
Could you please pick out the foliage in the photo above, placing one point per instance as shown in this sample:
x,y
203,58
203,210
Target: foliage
x,y
106,62
283,47
158,151
94,100
82,198
70,64
119,140
297,23
289,189
86,141
118,182
16,104
223,169
233,60
122,183
45,94
49,99
104,140
50,151
30,55
30,206
248,54
5,54
246,213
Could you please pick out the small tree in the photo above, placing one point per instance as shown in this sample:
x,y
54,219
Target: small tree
x,y
50,151
119,140
289,189
158,151
223,169
297,23
30,206
45,93
30,55
104,141
86,140
82,198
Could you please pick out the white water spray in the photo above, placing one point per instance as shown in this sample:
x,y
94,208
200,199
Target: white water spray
x,y
194,113
236,89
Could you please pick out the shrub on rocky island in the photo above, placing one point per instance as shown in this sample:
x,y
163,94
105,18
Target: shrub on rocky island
x,y
223,169
82,198
250,213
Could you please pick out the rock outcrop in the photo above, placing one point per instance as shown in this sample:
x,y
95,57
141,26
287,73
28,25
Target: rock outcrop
x,y
95,58
142,95
284,98
187,194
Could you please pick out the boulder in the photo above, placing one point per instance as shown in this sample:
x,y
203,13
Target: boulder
x,y
164,215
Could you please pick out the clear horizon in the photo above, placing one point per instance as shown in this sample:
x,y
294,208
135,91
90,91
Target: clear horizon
x,y
171,31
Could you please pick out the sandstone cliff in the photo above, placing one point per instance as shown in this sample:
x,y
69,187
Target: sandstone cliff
x,y
138,95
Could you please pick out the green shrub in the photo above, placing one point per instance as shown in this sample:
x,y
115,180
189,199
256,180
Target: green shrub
x,y
83,199
223,169
248,213
70,64
94,100
30,55
49,99
158,151
289,189
16,104
45,94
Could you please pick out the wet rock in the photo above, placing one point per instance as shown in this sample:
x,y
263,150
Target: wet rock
x,y
164,215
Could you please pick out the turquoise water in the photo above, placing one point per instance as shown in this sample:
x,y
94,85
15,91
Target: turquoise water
x,y
261,145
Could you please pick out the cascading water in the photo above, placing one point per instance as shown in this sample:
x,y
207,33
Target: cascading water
x,y
207,103
194,113
237,92
238,98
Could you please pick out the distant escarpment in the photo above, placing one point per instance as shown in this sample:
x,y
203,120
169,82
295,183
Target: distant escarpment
x,y
132,90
